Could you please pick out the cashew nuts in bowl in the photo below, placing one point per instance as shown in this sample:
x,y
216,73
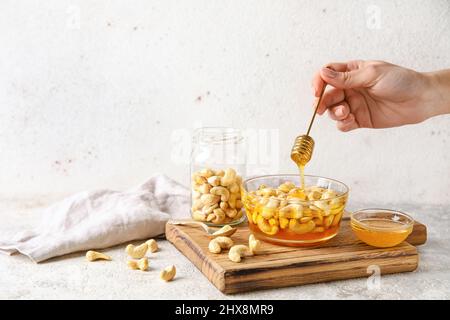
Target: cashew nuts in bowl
x,y
281,212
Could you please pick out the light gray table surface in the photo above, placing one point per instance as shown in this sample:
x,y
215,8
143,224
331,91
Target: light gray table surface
x,y
71,277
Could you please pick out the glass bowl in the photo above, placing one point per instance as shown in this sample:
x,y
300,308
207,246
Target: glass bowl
x,y
381,228
288,215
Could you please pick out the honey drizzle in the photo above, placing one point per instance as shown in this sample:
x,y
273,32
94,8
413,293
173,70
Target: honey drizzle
x,y
301,169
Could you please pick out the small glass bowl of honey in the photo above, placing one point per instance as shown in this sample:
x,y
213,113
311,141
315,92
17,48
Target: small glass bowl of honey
x,y
381,228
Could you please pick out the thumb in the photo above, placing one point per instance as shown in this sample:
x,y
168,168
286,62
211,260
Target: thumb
x,y
345,80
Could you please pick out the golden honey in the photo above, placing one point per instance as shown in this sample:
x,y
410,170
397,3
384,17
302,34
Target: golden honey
x,y
379,232
301,169
381,227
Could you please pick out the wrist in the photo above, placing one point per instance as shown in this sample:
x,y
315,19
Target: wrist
x,y
436,95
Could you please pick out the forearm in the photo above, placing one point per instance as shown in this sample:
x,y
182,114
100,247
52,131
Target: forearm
x,y
437,92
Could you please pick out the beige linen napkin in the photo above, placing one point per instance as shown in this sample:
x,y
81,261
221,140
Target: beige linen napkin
x,y
102,218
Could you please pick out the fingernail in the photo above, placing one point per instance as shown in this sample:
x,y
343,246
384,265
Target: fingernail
x,y
340,112
329,73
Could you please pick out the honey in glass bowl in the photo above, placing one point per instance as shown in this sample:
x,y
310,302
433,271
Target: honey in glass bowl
x,y
381,228
282,212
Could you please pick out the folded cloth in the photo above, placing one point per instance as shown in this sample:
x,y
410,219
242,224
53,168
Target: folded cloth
x,y
101,219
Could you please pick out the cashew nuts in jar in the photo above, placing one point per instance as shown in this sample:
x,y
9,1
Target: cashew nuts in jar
x,y
216,196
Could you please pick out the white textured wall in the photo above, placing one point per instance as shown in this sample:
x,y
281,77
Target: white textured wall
x,y
92,91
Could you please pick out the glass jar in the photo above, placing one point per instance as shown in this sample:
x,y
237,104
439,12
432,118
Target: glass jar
x,y
218,161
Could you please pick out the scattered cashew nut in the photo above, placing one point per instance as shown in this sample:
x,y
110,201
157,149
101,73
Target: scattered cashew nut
x,y
137,252
224,229
94,255
239,251
254,244
168,273
141,264
217,244
152,245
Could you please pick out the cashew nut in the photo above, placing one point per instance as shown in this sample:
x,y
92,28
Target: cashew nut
x,y
214,181
94,255
292,211
216,217
228,178
270,208
152,245
234,188
204,188
141,264
265,227
337,218
297,193
266,192
223,205
329,194
209,208
168,273
217,244
254,244
209,199
231,213
199,179
222,192
255,216
137,252
132,264
286,186
198,204
301,228
206,173
305,219
224,229
232,200
283,222
239,251
314,195
199,216
220,173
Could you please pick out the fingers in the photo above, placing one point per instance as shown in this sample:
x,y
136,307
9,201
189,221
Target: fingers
x,y
343,75
346,79
348,123
339,112
330,97
317,84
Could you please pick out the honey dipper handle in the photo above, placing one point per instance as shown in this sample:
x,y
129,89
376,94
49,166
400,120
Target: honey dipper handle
x,y
315,109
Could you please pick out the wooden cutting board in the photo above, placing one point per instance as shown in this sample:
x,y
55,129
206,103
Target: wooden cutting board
x,y
343,257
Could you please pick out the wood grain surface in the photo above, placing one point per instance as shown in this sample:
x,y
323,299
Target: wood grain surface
x,y
343,257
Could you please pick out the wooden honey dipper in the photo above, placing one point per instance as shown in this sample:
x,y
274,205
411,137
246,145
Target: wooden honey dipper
x,y
304,145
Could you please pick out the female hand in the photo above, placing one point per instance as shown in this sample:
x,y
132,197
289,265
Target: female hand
x,y
377,94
